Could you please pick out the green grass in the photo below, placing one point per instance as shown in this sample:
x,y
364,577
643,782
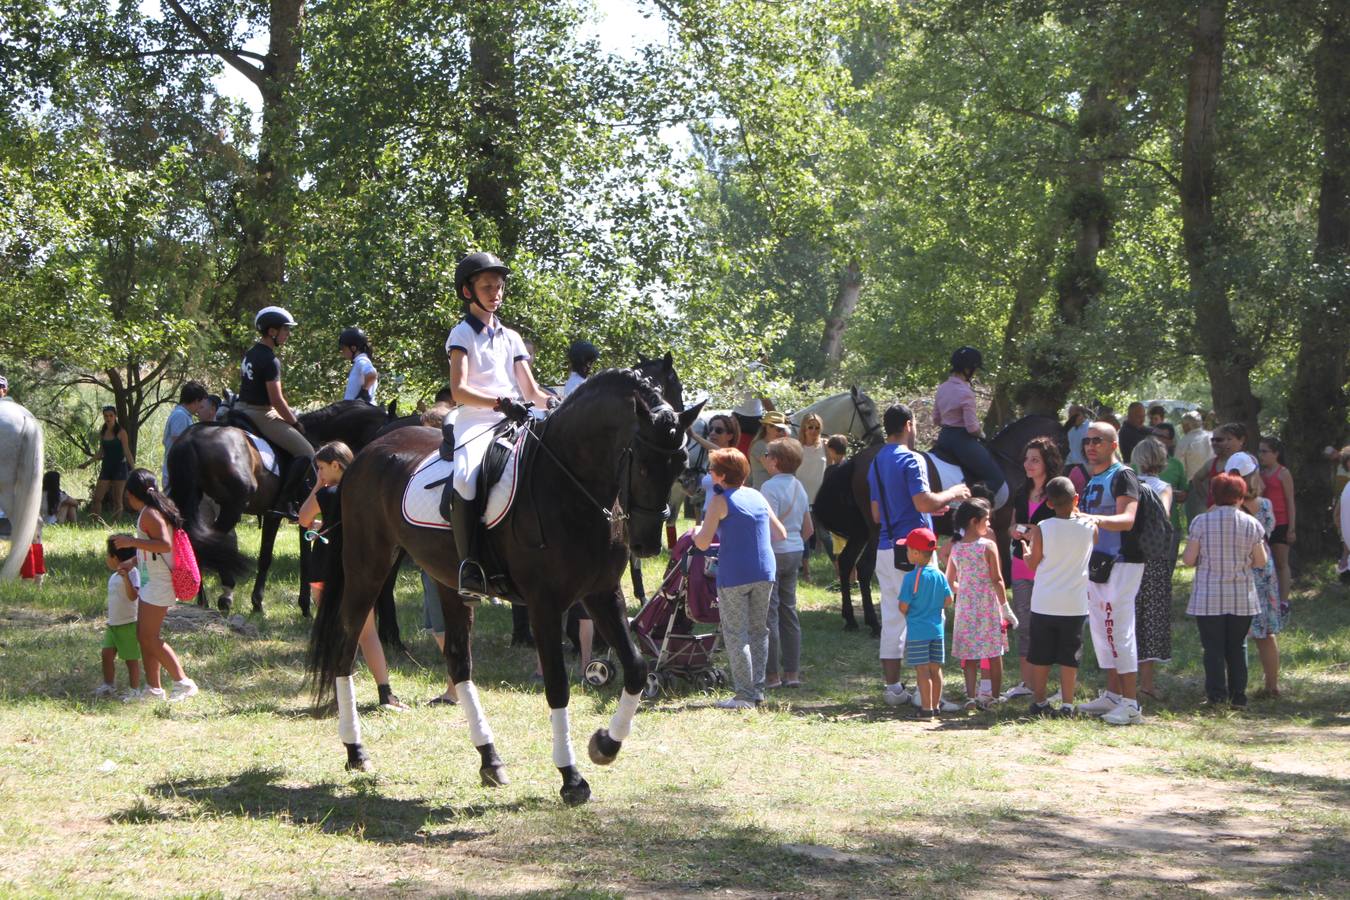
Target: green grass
x,y
242,790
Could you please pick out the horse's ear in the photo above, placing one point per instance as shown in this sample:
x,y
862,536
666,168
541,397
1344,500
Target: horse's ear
x,y
392,408
690,415
668,360
642,360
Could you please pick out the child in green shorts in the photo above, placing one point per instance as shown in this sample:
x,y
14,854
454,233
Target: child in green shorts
x,y
119,639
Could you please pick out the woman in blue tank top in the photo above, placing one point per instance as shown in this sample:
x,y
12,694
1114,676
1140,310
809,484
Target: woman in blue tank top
x,y
745,571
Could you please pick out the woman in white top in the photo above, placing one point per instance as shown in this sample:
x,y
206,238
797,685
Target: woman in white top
x,y
362,380
156,519
581,358
812,471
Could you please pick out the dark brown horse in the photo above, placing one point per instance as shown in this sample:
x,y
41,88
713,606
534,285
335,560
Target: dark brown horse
x,y
591,488
1006,447
216,460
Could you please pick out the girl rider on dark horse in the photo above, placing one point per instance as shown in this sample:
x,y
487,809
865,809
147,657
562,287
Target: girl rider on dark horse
x,y
261,399
487,363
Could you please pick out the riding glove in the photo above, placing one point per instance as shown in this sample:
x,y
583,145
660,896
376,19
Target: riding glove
x,y
513,409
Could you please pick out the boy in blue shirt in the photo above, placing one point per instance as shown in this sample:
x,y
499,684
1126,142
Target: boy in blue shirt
x,y
924,594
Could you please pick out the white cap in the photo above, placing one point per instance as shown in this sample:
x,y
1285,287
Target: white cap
x,y
1242,463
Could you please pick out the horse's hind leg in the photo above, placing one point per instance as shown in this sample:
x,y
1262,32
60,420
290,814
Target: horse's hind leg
x,y
867,566
847,560
459,663
611,621
546,621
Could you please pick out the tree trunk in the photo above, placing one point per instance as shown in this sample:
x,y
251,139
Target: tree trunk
x,y
1317,403
1227,353
1030,288
845,302
493,173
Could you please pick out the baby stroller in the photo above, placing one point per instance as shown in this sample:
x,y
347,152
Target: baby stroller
x,y
665,627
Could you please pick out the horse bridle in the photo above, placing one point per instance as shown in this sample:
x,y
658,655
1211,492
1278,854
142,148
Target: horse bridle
x,y
875,427
625,483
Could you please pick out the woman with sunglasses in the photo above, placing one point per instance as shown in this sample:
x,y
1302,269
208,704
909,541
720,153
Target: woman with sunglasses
x,y
811,472
1225,441
723,432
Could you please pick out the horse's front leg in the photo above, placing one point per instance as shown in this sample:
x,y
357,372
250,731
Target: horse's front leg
x,y
546,622
610,615
270,524
459,663
867,566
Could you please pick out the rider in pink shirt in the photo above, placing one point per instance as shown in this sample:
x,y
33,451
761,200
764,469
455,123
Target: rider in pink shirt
x,y
954,413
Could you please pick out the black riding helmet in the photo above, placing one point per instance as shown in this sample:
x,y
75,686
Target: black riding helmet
x,y
581,353
967,359
273,317
472,265
353,337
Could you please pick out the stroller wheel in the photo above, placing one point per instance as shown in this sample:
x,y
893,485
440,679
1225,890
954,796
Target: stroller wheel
x,y
599,672
653,688
706,680
720,677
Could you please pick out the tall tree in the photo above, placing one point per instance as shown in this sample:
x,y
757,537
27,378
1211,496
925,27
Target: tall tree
x,y
1317,401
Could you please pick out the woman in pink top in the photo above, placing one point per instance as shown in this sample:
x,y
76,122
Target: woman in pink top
x,y
954,413
1041,461
1280,492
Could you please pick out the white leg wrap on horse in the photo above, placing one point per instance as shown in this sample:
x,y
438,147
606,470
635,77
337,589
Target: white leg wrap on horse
x,y
479,732
562,738
349,726
622,723
1001,497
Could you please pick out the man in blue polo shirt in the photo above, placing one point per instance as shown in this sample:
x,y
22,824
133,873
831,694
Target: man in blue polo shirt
x,y
897,480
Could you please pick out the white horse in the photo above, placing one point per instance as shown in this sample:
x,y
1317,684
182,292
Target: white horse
x,y
852,413
21,459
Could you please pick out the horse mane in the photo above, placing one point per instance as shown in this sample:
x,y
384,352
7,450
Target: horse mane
x,y
617,381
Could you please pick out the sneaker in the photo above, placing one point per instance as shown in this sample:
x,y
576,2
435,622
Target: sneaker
x,y
1099,707
104,690
1018,690
183,690
895,698
1124,714
1056,697
1066,711
147,693
972,703
734,703
1040,710
948,706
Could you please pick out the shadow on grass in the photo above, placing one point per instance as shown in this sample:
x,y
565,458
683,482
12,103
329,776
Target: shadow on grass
x,y
357,808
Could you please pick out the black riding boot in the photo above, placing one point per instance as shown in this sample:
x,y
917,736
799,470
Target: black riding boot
x,y
293,487
465,531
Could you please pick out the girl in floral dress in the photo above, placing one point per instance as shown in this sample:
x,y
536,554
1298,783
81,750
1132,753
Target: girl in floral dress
x,y
1269,620
976,579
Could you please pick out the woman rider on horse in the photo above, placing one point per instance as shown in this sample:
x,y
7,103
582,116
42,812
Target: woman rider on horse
x,y
487,362
955,414
261,399
362,380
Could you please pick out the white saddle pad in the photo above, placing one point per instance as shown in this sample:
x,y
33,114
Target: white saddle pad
x,y
949,475
266,454
422,501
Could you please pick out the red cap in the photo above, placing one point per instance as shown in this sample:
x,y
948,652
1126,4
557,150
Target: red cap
x,y
921,539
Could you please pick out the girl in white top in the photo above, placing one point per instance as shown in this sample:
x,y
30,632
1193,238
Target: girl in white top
x,y
156,519
362,380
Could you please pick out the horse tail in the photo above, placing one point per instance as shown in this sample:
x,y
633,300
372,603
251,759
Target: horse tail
x,y
328,639
27,496
213,547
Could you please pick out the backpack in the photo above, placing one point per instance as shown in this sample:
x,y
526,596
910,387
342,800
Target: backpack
x,y
1152,526
187,577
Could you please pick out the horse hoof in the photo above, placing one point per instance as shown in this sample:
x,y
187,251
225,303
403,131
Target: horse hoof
x,y
493,776
257,606
575,794
358,760
602,748
304,611
850,626
224,604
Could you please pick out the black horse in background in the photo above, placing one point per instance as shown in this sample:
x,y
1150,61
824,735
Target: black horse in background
x,y
218,461
861,532
590,490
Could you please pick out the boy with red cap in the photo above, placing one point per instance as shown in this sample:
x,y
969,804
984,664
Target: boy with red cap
x,y
924,594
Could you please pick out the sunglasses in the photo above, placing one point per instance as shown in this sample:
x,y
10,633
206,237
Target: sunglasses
x,y
1094,441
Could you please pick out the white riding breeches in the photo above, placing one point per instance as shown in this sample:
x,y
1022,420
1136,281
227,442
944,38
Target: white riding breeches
x,y
473,435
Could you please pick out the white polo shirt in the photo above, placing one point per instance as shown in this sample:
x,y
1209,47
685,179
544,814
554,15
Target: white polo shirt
x,y
491,352
356,378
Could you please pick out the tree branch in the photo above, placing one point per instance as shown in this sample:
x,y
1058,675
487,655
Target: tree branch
x,y
1126,157
232,57
174,51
